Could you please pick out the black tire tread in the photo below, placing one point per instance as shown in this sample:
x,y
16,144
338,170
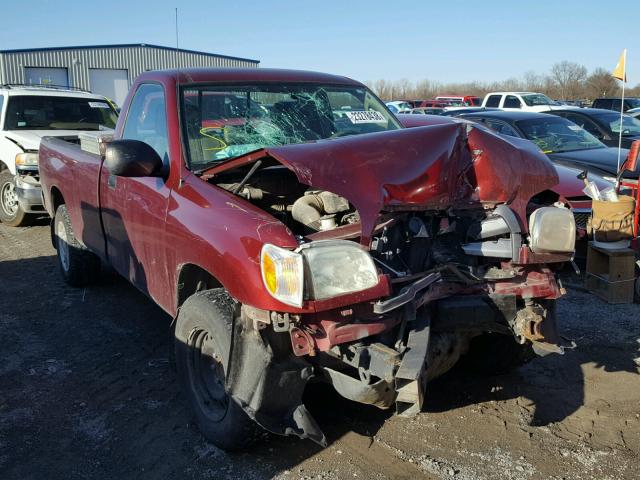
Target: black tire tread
x,y
215,309
84,265
496,354
22,218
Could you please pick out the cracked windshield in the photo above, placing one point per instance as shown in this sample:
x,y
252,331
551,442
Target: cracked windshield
x,y
223,123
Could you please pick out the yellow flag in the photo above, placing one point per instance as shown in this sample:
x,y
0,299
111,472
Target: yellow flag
x,y
620,71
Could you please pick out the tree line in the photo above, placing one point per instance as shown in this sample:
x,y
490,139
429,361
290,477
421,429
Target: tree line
x,y
565,81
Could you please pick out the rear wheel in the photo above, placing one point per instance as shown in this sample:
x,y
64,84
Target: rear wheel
x,y
202,349
78,265
11,213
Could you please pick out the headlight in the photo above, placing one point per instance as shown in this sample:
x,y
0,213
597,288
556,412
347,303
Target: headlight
x,y
27,160
336,267
323,269
282,274
552,230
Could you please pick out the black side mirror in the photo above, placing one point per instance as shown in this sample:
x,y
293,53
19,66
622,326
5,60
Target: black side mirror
x,y
132,158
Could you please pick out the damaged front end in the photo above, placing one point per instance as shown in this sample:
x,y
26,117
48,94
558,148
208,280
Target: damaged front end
x,y
411,244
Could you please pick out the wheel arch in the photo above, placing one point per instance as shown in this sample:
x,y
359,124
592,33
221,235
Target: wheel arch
x,y
193,278
56,200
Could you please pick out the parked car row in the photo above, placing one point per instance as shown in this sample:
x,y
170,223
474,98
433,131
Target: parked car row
x,y
527,101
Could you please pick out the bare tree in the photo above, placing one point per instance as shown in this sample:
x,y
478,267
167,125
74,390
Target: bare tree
x,y
569,77
533,82
566,80
425,89
601,84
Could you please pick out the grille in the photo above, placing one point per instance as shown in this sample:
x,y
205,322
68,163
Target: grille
x,y
581,218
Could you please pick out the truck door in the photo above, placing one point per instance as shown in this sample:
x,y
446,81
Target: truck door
x,y
134,209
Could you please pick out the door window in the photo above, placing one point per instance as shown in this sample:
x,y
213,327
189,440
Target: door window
x,y
501,127
493,101
147,119
512,102
585,123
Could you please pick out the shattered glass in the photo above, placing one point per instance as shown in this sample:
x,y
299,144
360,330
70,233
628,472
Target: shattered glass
x,y
226,122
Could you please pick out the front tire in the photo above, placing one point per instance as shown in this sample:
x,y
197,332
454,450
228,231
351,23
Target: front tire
x,y
79,266
496,354
202,348
11,213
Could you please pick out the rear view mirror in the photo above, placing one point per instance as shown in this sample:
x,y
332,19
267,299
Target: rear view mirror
x,y
132,158
632,159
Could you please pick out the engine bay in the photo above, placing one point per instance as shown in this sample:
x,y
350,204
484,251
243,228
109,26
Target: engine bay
x,y
404,244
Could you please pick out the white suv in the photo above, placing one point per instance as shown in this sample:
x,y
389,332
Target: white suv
x,y
525,101
28,113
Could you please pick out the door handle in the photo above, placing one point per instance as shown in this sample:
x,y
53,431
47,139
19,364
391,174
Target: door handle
x,y
111,181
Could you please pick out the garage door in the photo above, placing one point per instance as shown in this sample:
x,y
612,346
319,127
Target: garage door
x,y
46,76
111,83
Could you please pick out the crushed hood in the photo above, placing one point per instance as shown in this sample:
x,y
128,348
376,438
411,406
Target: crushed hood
x,y
424,168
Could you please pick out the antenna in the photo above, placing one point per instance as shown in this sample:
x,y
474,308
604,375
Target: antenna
x,y
177,45
178,109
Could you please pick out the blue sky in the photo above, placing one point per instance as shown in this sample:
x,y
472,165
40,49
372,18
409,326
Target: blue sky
x,y
367,40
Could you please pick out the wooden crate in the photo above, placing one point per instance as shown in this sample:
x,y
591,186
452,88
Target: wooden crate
x,y
610,292
612,265
611,273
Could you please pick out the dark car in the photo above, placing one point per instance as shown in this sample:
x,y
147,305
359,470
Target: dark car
x,y
604,124
413,103
614,103
457,111
433,104
563,141
428,111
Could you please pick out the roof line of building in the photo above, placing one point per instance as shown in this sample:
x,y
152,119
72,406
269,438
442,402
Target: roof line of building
x,y
127,45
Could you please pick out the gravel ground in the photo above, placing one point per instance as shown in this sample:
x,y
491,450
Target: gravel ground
x,y
88,391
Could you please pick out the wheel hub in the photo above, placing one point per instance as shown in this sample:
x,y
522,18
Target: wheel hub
x,y
206,373
63,246
9,199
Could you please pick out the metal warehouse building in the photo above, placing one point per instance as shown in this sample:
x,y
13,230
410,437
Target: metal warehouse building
x,y
105,69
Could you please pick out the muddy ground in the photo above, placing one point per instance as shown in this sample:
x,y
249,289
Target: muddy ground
x,y
88,391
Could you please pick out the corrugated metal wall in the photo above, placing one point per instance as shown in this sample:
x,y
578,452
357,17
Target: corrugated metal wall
x,y
135,60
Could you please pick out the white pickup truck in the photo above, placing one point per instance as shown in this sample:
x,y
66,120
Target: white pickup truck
x,y
28,113
524,101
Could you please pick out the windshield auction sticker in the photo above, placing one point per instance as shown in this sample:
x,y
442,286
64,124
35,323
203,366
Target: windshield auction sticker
x,y
370,116
98,105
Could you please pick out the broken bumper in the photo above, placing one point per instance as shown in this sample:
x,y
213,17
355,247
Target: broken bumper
x,y
29,193
358,351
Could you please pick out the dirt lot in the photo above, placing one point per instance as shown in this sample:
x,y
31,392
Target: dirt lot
x,y
87,390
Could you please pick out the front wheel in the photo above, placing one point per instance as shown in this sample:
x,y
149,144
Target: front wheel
x,y
11,213
202,349
495,354
79,266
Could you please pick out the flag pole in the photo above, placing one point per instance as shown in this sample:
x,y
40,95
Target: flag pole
x,y
624,78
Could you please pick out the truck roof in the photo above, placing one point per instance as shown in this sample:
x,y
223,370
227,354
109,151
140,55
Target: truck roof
x,y
513,93
44,91
259,75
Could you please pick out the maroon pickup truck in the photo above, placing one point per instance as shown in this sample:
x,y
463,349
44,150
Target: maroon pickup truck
x,y
297,232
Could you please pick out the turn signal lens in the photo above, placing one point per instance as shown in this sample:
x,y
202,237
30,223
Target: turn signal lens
x,y
282,274
27,160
